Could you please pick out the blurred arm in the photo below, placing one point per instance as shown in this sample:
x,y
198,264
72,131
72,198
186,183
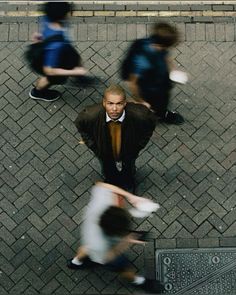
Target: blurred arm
x,y
133,86
77,71
131,198
83,125
170,63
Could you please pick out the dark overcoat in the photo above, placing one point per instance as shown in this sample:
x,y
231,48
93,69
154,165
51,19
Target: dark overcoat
x,y
137,128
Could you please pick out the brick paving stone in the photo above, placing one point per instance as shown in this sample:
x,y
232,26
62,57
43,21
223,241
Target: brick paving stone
x,y
51,287
209,243
19,273
7,236
36,236
37,222
202,215
165,243
34,280
202,230
228,242
172,230
230,217
6,266
187,243
217,208
22,214
8,207
7,221
21,229
52,214
217,223
188,223
38,208
230,231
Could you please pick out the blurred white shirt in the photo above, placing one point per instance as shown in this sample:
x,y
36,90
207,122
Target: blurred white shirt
x,y
93,237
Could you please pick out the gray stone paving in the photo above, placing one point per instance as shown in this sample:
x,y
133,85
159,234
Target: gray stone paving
x,y
45,174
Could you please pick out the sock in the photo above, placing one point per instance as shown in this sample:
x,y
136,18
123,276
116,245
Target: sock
x,y
76,261
138,280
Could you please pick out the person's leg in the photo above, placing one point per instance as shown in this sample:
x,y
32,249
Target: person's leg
x,y
125,269
130,275
78,261
160,104
42,83
150,286
109,171
127,175
82,253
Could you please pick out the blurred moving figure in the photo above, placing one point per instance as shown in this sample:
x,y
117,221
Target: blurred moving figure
x,y
60,59
106,235
147,68
116,131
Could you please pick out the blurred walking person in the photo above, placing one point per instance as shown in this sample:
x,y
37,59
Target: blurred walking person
x,y
60,59
147,69
106,235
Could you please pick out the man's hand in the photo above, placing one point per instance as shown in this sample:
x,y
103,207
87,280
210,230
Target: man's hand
x,y
136,201
133,238
146,104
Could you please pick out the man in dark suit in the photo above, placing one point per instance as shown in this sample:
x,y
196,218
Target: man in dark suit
x,y
116,131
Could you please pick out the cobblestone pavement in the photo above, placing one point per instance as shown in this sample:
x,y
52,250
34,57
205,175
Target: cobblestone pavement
x,y
45,174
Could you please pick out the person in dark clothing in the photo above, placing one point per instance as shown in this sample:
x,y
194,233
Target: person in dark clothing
x,y
146,69
116,131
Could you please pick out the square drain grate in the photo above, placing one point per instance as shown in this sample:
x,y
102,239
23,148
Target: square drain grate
x,y
197,271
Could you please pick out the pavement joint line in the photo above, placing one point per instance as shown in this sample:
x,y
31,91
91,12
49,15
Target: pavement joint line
x,y
121,2
130,13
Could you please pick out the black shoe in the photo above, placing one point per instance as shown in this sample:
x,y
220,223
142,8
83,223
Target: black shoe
x,y
173,118
152,286
46,94
71,265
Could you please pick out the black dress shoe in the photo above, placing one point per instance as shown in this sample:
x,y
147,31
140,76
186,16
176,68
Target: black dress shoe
x,y
173,118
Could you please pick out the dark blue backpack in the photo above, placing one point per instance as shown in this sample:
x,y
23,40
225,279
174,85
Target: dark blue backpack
x,y
68,59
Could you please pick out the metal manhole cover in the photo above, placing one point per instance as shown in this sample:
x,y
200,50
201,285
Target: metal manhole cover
x,y
197,271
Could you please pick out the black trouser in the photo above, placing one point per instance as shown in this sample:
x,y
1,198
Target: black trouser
x,y
123,178
159,101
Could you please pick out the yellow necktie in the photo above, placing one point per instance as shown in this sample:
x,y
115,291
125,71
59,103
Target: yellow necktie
x,y
115,132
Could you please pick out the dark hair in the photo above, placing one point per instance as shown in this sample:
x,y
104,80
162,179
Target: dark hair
x,y
164,34
115,221
56,11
